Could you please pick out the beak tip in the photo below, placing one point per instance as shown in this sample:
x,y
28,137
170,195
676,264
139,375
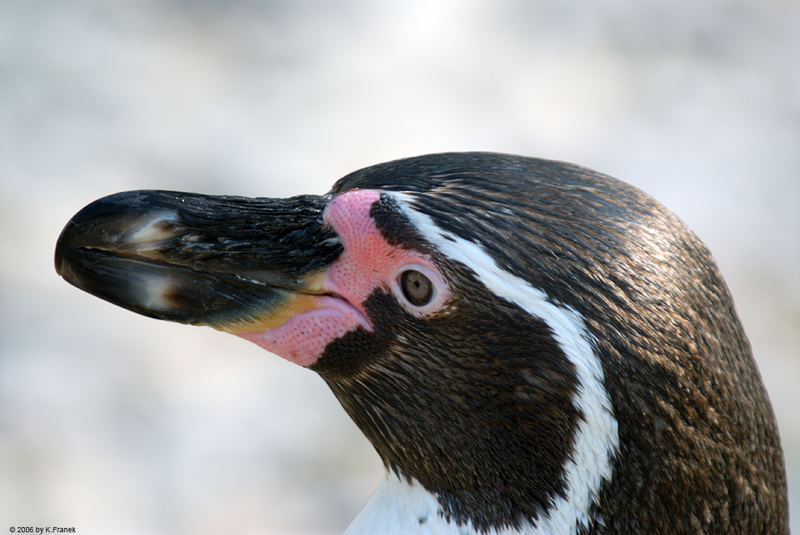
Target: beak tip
x,y
60,257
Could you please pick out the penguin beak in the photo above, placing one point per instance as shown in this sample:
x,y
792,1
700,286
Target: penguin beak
x,y
236,264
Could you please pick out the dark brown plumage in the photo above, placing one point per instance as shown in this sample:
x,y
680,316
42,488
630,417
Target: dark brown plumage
x,y
699,449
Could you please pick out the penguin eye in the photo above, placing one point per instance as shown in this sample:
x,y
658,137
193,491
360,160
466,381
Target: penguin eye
x,y
417,288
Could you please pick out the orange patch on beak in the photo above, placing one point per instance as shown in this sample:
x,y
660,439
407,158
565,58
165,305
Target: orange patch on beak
x,y
295,304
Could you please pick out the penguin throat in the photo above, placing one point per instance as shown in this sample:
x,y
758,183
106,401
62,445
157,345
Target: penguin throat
x,y
485,426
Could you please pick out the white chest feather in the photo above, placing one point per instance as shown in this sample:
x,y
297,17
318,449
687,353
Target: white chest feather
x,y
401,508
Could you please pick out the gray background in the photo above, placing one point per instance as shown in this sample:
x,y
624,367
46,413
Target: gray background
x,y
115,424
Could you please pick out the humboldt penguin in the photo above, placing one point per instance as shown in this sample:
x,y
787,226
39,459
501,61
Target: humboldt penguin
x,y
531,347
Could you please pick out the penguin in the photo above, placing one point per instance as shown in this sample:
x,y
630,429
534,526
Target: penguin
x,y
531,347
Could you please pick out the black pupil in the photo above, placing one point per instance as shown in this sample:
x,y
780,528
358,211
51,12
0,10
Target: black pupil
x,y
417,288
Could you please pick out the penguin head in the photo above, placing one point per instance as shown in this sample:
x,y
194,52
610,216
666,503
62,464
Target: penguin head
x,y
535,345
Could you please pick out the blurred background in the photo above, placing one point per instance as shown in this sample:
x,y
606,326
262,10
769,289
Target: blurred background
x,y
117,424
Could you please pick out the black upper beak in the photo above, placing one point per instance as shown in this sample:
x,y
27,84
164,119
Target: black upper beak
x,y
199,259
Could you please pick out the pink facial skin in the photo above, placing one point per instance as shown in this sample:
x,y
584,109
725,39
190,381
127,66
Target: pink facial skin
x,y
367,262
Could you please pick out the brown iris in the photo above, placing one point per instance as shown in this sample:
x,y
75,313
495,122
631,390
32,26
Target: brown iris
x,y
417,288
